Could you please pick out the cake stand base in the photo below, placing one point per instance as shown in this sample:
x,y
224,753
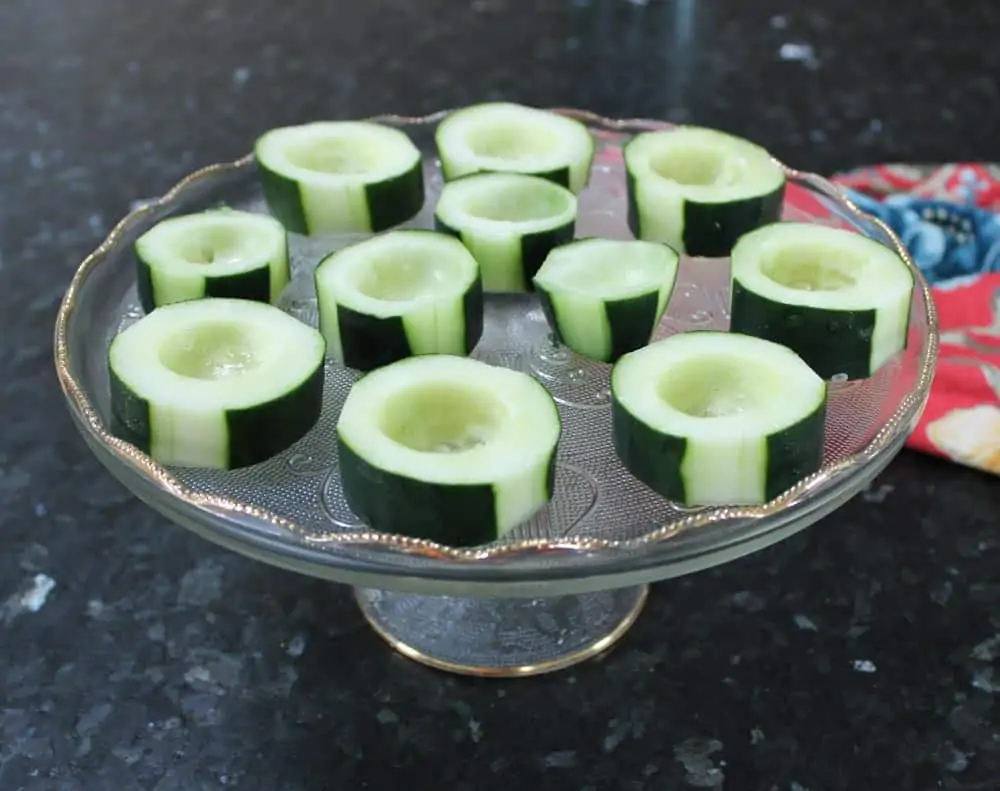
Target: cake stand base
x,y
501,638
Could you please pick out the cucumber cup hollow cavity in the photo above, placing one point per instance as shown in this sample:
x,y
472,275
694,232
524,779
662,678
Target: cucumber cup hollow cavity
x,y
699,190
713,418
840,300
603,298
397,295
215,383
503,137
331,177
448,449
509,222
215,253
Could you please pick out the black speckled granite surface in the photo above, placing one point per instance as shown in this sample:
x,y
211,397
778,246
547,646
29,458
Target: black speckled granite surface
x,y
863,655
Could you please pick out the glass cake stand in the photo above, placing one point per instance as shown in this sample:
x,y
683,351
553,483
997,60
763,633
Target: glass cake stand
x,y
568,584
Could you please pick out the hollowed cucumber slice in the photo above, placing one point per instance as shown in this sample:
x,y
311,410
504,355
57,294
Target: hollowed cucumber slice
x,y
716,418
447,448
502,137
839,299
509,222
401,294
340,176
603,298
216,253
699,190
217,383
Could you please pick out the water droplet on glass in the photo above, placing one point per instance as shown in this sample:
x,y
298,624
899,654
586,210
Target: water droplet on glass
x,y
838,378
700,317
553,353
302,464
577,375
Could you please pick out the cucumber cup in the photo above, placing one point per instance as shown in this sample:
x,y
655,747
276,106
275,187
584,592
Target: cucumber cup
x,y
333,177
215,383
699,190
839,299
216,253
509,222
401,294
604,298
447,448
502,137
716,418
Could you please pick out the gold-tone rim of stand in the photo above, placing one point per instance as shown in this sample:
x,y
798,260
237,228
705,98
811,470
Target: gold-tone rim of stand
x,y
596,648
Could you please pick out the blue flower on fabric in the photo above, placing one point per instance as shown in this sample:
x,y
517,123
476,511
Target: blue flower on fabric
x,y
946,240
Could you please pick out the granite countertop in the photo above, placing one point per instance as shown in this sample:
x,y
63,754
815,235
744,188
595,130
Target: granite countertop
x,y
863,654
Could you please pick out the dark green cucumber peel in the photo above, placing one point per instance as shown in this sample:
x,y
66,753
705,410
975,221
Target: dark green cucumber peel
x,y
632,207
545,301
651,457
253,437
369,342
395,200
283,199
795,453
630,321
252,434
454,515
254,285
558,176
390,202
130,417
144,285
656,459
473,312
711,229
535,247
830,341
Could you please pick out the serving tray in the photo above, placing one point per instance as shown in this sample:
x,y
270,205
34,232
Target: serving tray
x,y
589,554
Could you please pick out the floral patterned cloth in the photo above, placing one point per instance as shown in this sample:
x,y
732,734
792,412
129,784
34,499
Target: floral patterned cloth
x,y
949,219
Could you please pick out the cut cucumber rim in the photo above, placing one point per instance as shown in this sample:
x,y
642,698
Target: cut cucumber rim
x,y
369,277
505,203
179,347
510,137
817,266
653,384
704,165
214,242
257,530
570,268
370,151
491,404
